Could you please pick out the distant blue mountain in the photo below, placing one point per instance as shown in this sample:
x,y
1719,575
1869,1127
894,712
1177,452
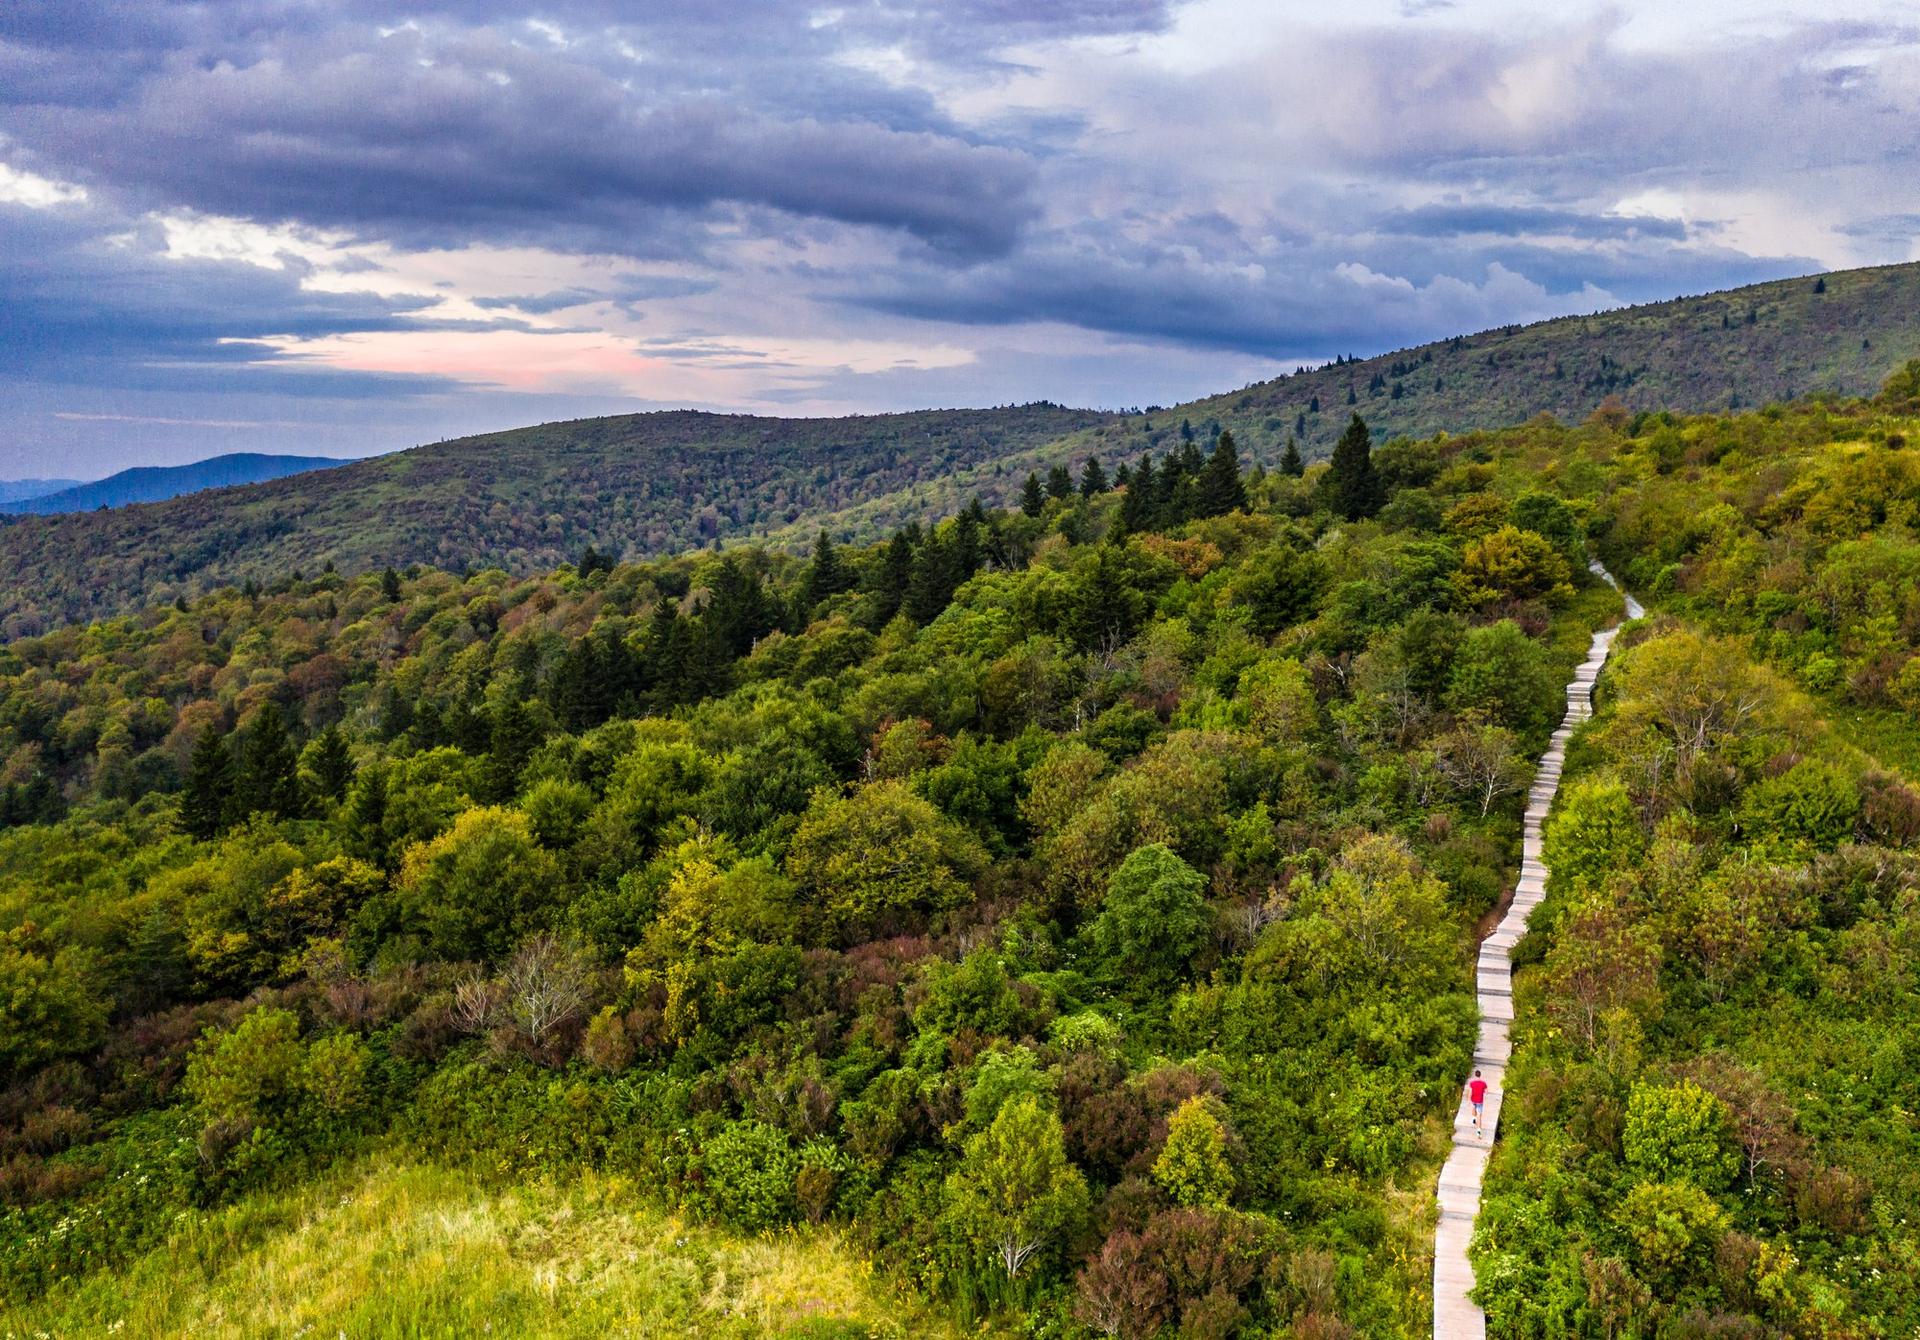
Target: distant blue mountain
x,y
13,490
152,483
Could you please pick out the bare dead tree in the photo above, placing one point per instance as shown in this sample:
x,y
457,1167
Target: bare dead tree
x,y
476,1003
1478,760
548,984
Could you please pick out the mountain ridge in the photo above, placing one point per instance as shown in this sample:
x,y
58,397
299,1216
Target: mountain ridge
x,y
16,490
158,483
636,486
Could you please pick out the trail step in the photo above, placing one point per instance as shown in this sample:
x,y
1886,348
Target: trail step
x,y
1455,1315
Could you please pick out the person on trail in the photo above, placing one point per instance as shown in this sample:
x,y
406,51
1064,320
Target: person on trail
x,y
1477,1095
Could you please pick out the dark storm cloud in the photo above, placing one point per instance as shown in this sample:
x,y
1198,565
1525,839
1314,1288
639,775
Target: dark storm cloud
x,y
1205,286
802,167
494,142
1509,221
472,124
627,294
88,299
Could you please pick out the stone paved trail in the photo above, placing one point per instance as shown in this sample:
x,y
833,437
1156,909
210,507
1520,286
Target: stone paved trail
x,y
1455,1316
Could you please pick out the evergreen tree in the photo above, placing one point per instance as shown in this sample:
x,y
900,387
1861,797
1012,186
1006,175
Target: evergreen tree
x,y
933,582
1290,462
390,585
514,736
1354,486
628,675
366,817
1178,492
1033,499
1093,479
967,528
892,578
269,776
155,968
1105,608
1060,483
708,655
1220,488
828,575
593,561
208,796
738,608
669,651
576,691
1141,507
331,764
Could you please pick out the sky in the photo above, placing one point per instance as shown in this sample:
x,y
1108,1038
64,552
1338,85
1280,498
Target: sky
x,y
343,227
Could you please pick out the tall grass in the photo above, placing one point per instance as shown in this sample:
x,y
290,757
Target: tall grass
x,y
391,1247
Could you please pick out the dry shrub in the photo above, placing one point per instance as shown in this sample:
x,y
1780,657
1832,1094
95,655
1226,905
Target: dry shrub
x,y
1835,1200
54,1128
28,1181
608,1044
1122,1292
429,1032
813,1188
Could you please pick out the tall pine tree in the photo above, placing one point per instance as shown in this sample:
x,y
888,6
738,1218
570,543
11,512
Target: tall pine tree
x,y
1290,462
738,607
1354,487
1220,489
828,575
1033,499
934,580
1140,509
269,775
330,764
891,580
513,736
208,797
1093,479
366,817
669,652
968,530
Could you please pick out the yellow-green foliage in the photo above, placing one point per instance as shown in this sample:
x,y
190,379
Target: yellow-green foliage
x,y
1192,1166
389,1248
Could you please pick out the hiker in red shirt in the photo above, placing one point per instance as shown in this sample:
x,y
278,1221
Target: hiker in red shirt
x,y
1477,1095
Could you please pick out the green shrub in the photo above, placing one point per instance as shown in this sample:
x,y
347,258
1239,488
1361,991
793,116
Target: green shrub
x,y
1680,1133
1811,803
745,1175
1192,1167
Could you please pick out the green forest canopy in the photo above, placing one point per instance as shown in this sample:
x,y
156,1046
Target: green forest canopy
x,y
1071,905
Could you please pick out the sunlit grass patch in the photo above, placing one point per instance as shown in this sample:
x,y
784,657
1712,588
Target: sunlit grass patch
x,y
394,1248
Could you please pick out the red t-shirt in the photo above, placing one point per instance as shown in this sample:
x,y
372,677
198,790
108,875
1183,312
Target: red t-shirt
x,y
1477,1090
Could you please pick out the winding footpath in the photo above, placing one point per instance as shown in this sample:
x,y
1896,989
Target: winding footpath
x,y
1455,1315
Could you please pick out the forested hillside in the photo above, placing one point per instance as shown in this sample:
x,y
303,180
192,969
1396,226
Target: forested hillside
x,y
1062,911
1711,1128
652,485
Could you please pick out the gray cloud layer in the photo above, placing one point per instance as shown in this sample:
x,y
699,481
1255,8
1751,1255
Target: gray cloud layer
x,y
920,172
